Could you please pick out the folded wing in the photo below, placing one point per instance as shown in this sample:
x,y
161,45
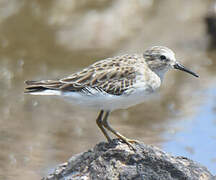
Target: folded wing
x,y
114,78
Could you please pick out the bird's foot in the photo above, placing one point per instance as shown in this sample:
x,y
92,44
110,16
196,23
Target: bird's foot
x,y
130,142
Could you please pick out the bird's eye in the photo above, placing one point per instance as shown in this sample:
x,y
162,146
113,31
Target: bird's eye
x,y
162,57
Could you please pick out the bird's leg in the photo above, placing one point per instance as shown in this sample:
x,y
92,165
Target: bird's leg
x,y
123,138
100,125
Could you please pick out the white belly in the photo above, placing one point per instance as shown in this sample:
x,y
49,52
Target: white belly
x,y
107,101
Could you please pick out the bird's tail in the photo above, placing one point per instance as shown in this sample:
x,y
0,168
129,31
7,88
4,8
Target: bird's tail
x,y
45,87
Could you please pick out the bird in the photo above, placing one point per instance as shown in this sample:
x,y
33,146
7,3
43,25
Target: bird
x,y
113,83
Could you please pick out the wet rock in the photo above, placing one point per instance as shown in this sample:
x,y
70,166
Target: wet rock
x,y
116,160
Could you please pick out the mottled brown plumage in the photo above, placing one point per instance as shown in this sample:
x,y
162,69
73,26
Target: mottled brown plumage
x,y
113,75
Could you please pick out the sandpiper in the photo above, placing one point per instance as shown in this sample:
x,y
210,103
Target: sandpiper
x,y
113,83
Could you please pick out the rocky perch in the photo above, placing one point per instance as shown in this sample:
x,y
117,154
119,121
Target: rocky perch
x,y
115,160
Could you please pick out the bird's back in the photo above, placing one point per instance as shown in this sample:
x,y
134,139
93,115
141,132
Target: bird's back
x,y
112,75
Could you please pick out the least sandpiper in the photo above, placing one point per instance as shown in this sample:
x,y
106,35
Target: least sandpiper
x,y
113,83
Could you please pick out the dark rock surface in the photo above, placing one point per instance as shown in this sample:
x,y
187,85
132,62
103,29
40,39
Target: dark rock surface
x,y
116,160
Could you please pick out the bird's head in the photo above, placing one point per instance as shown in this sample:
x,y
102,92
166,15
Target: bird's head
x,y
160,59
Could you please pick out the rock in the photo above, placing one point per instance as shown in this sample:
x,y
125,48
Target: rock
x,y
115,160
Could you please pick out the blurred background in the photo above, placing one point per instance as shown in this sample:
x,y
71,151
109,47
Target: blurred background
x,y
50,39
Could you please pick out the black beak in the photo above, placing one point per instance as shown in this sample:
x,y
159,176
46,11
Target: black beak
x,y
182,68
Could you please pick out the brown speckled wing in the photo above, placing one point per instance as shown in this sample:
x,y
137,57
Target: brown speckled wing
x,y
112,75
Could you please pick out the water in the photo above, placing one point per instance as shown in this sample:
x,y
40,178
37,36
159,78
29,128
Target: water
x,y
196,139
49,39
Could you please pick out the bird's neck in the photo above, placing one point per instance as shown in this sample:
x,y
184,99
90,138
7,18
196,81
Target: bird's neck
x,y
160,72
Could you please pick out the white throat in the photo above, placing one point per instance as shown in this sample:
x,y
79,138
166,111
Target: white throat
x,y
161,73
